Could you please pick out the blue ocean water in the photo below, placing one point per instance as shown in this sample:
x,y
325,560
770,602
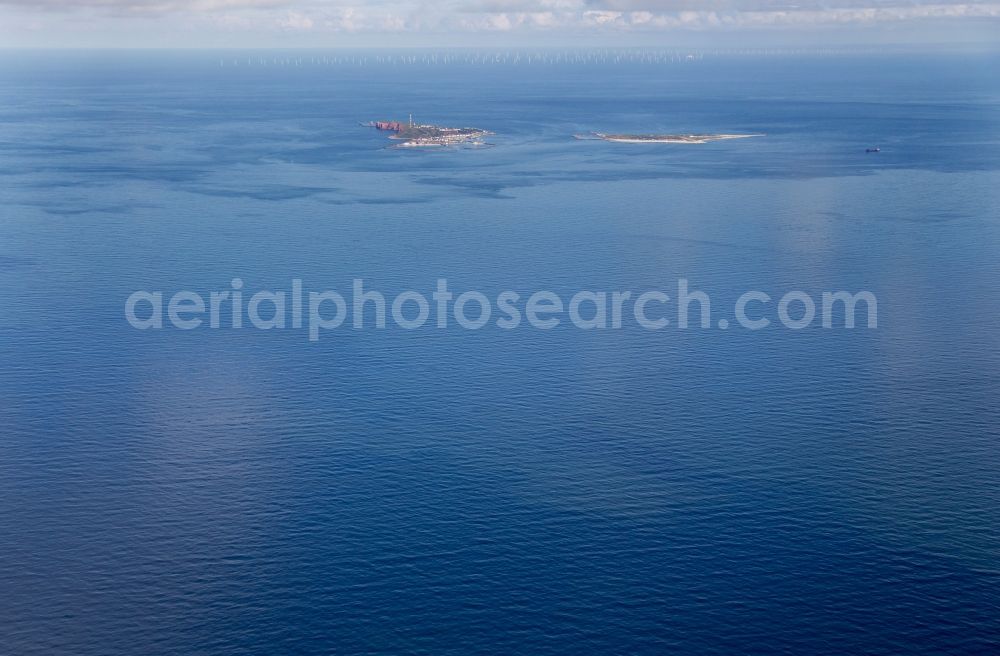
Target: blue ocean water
x,y
700,491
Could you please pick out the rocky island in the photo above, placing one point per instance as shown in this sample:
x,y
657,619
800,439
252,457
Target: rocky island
x,y
413,135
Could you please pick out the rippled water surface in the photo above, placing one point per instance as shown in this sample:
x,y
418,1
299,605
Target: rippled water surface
x,y
525,491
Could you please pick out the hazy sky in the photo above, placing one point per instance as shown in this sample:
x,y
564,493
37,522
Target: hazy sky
x,y
312,23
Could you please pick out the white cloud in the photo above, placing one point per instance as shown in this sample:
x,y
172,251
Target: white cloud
x,y
145,6
296,21
602,17
503,15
